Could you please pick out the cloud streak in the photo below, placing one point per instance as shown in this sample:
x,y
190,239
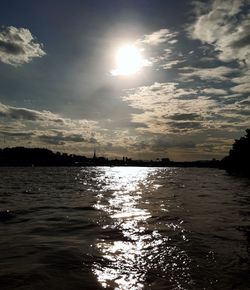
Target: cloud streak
x,y
29,115
218,73
159,37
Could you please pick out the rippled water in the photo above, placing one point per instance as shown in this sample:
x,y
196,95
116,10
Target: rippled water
x,y
123,228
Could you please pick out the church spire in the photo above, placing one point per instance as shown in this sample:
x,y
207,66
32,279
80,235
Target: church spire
x,y
94,156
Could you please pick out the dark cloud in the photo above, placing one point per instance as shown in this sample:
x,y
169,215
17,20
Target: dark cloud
x,y
60,138
162,143
180,117
245,41
185,125
10,48
245,103
18,134
54,140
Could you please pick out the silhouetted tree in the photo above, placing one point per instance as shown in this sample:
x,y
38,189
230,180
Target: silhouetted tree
x,y
20,156
238,160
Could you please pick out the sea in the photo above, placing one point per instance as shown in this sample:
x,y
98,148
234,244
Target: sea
x,y
130,228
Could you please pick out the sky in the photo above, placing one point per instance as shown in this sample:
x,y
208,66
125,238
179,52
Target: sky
x,y
68,81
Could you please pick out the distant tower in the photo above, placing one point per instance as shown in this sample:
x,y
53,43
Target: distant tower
x,y
4,141
94,156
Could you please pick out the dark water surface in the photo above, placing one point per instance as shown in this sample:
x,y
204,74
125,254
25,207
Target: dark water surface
x,y
123,228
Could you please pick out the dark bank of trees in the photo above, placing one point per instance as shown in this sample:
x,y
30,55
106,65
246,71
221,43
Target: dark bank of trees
x,y
238,160
20,156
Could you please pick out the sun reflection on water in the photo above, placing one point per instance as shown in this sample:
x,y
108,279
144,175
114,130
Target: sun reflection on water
x,y
125,257
137,250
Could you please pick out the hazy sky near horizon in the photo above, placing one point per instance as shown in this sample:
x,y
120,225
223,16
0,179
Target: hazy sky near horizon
x,y
188,99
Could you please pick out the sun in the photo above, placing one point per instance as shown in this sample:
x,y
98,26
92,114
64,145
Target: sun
x,y
128,60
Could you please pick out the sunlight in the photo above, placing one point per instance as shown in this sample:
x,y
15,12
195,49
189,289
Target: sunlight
x,y
128,60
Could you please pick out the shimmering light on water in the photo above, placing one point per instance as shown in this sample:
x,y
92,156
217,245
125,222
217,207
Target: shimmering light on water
x,y
140,249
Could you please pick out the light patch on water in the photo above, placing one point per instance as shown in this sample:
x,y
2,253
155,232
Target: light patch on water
x,y
128,260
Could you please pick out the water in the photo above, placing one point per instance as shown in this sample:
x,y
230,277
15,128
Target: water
x,y
123,228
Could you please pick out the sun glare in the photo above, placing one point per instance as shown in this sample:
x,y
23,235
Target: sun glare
x,y
128,60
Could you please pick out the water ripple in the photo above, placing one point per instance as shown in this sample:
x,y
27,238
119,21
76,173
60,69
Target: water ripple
x,y
123,228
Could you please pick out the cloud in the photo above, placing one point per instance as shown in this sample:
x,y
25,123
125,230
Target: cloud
x,y
219,73
242,88
159,37
243,78
159,48
44,127
18,46
242,82
245,102
60,138
168,109
214,91
171,63
164,111
224,25
29,115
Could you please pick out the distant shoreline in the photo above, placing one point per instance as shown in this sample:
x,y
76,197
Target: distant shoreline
x,y
42,157
236,163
